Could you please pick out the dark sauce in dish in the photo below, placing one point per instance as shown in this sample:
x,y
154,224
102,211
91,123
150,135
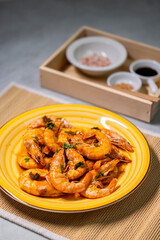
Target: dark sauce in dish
x,y
146,71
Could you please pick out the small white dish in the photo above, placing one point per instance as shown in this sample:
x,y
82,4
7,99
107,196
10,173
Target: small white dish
x,y
125,77
150,80
102,46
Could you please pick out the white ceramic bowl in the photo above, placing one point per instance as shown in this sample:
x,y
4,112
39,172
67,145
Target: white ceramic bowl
x,y
125,77
103,46
150,80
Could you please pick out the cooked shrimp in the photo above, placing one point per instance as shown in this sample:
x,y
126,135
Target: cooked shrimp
x,y
36,134
79,161
47,162
59,178
32,140
50,140
47,151
36,182
95,192
103,171
65,124
50,121
115,153
70,136
98,163
98,150
117,140
90,164
111,175
91,140
25,161
77,165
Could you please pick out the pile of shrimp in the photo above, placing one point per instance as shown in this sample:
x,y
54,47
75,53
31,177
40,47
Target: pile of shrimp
x,y
59,159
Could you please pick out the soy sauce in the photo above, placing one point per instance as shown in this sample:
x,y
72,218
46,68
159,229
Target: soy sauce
x,y
146,71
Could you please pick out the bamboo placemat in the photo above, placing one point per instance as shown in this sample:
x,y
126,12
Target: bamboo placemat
x,y
136,217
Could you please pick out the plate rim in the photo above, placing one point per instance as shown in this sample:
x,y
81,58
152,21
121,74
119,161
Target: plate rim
x,y
87,209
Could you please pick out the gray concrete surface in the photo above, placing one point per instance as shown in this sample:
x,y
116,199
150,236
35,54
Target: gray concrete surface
x,y
30,31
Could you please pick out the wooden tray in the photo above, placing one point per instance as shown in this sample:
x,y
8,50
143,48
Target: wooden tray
x,y
58,74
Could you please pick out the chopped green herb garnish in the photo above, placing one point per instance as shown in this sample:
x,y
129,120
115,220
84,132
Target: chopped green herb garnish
x,y
35,176
96,145
107,155
26,159
57,151
38,157
59,118
96,128
70,132
78,143
66,145
48,166
80,164
35,139
99,175
46,120
62,168
50,125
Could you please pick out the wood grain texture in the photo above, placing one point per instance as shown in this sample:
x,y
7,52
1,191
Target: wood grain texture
x,y
17,101
57,74
129,105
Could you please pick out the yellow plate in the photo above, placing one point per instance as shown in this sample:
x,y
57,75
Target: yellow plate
x,y
81,116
